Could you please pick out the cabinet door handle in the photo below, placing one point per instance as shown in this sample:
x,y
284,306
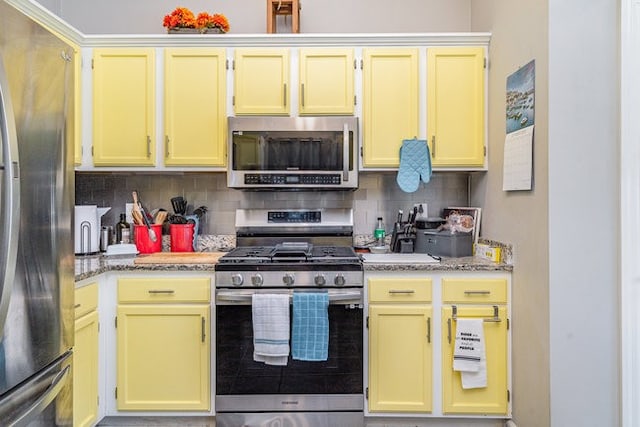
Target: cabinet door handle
x,y
285,94
203,336
449,330
429,329
166,145
302,95
148,146
477,292
162,291
77,306
433,146
402,291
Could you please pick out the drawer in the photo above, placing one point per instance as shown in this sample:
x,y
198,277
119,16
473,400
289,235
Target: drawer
x,y
474,291
164,290
86,299
400,290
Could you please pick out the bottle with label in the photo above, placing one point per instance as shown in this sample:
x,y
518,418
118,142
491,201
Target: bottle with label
x,y
379,233
123,230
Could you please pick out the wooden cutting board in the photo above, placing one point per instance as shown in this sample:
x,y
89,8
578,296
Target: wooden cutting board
x,y
179,258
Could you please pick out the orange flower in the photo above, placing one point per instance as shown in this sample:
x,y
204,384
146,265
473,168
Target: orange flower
x,y
181,17
204,20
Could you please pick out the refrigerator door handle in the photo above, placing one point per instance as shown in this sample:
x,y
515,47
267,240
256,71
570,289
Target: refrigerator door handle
x,y
10,214
43,401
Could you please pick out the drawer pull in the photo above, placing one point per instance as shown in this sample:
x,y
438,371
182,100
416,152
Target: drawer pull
x,y
77,306
495,318
477,292
162,291
402,291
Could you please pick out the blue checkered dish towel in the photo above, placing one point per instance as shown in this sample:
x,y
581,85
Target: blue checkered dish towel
x,y
310,334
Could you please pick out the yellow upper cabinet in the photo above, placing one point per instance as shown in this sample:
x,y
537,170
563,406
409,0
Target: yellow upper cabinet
x,y
261,82
123,107
390,104
195,107
326,82
455,106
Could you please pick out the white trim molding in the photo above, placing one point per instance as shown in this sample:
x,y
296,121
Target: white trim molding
x,y
630,211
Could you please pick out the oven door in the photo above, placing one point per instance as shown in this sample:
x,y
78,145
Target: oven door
x,y
243,385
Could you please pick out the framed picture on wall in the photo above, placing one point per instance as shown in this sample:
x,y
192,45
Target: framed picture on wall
x,y
467,219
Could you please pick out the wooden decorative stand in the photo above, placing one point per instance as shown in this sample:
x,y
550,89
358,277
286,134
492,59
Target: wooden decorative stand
x,y
283,8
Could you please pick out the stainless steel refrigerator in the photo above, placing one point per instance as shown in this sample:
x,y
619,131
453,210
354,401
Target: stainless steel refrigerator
x,y
36,200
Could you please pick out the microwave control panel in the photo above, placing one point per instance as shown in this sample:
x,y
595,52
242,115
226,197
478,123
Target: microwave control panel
x,y
284,179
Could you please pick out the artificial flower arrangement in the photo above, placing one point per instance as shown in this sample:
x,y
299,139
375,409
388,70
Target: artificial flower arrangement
x,y
182,17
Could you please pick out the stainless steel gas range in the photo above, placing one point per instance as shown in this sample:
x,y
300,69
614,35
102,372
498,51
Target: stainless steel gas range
x,y
301,393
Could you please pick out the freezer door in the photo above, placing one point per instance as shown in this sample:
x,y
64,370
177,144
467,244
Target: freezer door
x,y
42,401
38,326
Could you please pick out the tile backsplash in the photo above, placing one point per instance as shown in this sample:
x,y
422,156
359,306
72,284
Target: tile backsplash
x,y
377,195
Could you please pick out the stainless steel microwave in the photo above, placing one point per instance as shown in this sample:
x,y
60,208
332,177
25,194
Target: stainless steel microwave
x,y
296,153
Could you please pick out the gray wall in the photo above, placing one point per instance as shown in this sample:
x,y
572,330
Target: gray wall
x,y
565,274
519,34
377,195
249,16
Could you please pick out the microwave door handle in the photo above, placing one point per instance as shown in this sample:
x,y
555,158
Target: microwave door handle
x,y
345,152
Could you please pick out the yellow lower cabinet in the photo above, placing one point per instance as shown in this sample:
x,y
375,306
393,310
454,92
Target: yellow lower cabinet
x,y
163,357
400,349
400,358
490,400
85,371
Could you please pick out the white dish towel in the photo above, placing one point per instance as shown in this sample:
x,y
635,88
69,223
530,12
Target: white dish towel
x,y
469,353
270,328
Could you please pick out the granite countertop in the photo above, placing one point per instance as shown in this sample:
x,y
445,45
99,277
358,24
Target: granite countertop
x,y
93,265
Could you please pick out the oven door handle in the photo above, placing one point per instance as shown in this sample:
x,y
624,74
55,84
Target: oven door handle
x,y
240,297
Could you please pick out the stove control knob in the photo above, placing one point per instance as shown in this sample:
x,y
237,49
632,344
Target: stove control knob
x,y
320,280
339,280
237,279
288,279
257,280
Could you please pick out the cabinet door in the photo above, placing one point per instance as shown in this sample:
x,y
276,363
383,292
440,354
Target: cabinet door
x,y
326,81
124,107
261,81
400,358
390,104
195,113
85,370
455,106
492,399
163,357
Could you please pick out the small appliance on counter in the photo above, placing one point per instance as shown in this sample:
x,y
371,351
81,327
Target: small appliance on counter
x,y
87,228
444,243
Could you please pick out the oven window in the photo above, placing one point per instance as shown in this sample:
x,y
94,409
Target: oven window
x,y
289,151
237,373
